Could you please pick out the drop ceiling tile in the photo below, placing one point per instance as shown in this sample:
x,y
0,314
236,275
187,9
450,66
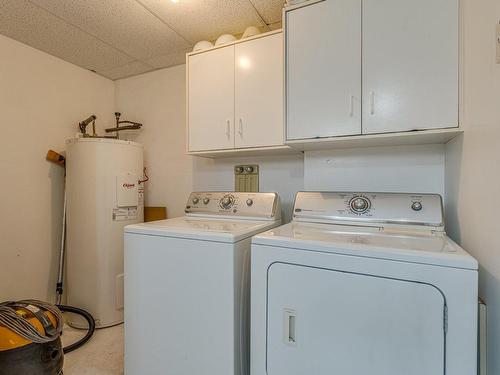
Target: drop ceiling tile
x,y
124,24
28,24
270,10
127,70
173,59
205,19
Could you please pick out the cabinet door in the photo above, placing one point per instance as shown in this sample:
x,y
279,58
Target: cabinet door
x,y
211,100
323,70
410,65
259,92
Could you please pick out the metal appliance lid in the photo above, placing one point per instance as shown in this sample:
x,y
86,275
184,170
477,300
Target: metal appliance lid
x,y
201,228
369,242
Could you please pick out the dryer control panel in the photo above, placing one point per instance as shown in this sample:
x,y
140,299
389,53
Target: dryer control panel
x,y
370,208
252,205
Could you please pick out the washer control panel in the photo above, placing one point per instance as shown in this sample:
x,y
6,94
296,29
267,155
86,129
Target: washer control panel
x,y
258,205
370,208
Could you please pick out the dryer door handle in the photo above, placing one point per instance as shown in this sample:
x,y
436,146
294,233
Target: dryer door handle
x,y
289,327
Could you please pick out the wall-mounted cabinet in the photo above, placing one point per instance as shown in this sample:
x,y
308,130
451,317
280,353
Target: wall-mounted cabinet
x,y
323,71
365,67
211,100
235,97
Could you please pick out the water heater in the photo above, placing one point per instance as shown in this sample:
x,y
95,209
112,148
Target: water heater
x,y
104,194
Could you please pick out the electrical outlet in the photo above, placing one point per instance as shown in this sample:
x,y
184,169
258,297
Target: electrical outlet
x,y
246,178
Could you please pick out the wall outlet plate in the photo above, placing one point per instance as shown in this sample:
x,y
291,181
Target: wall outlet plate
x,y
246,178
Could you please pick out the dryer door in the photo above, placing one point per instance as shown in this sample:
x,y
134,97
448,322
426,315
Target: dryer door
x,y
326,322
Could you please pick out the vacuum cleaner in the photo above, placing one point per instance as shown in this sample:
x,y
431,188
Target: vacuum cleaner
x,y
30,337
30,330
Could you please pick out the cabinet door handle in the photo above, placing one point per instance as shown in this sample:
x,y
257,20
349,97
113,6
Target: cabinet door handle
x,y
240,128
372,102
351,106
228,129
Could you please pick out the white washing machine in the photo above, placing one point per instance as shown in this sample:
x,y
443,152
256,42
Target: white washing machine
x,y
363,284
186,286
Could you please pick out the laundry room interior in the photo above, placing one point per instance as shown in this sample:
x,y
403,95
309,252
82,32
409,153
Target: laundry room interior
x,y
250,187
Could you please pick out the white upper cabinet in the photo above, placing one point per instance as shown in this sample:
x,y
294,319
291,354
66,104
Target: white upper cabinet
x,y
211,100
323,70
410,65
235,97
259,92
364,69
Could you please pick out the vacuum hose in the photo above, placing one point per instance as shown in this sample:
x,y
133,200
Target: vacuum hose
x,y
17,323
12,319
90,320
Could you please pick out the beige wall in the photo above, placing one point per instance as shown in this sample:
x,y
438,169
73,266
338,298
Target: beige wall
x,y
410,168
42,99
158,100
473,161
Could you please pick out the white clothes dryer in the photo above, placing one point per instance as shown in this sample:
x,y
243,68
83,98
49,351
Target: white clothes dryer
x,y
363,283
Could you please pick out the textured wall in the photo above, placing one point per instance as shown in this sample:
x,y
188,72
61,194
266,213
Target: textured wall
x,y
417,169
473,160
42,99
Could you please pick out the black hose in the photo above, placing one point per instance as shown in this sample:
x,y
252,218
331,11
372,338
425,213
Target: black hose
x,y
90,320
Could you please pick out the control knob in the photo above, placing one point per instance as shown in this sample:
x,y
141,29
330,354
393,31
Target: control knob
x,y
227,201
249,202
416,206
196,200
359,204
206,200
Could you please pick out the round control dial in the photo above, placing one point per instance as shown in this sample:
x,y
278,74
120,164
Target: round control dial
x,y
206,200
359,204
227,201
249,202
196,200
416,206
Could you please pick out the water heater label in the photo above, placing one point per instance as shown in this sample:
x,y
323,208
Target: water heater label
x,y
127,190
124,213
